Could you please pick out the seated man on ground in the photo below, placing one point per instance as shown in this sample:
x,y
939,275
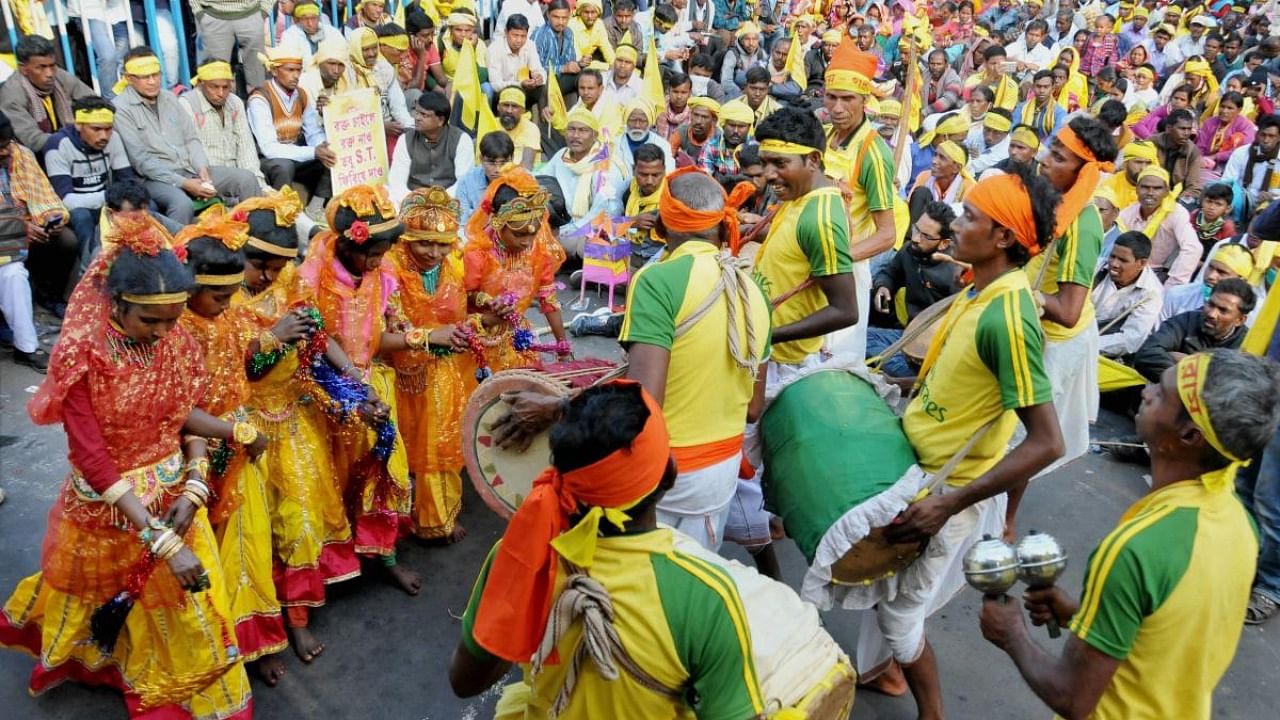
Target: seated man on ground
x,y
1219,324
1126,296
1228,261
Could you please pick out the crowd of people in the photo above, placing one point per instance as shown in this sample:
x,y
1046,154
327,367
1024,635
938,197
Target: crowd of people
x,y
1016,211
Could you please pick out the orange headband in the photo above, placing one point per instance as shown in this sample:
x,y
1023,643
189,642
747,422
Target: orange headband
x,y
681,218
514,609
1008,204
1081,193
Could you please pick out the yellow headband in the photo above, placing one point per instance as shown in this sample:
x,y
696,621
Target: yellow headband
x,y
1146,72
276,56
832,37
626,52
1026,136
782,147
460,19
997,122
399,42
235,279
1155,171
142,66
584,117
890,108
512,95
214,70
101,116
270,248
848,81
953,152
1140,150
737,112
705,102
306,11
156,299
1237,258
1192,371
748,28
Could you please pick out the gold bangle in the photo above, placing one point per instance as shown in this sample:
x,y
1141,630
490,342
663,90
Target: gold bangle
x,y
165,543
199,465
268,342
172,549
417,338
118,489
244,433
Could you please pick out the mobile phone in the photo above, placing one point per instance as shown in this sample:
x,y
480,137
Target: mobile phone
x,y
1008,67
52,222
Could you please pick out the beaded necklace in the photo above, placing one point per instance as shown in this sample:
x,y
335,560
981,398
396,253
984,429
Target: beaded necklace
x,y
126,349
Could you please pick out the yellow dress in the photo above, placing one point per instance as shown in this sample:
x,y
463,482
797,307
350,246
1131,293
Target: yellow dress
x,y
309,531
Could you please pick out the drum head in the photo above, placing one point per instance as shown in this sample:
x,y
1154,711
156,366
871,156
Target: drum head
x,y
875,558
503,478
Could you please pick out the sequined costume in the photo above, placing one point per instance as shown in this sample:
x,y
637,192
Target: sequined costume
x,y
123,406
492,270
432,387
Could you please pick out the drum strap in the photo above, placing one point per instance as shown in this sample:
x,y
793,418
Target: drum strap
x,y
926,320
735,285
939,478
584,598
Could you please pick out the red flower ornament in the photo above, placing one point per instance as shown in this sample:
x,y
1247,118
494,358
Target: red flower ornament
x,y
358,232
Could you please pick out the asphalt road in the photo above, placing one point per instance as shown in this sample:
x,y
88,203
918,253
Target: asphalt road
x,y
387,653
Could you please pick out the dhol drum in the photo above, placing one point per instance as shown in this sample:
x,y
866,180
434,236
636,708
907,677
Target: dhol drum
x,y
837,472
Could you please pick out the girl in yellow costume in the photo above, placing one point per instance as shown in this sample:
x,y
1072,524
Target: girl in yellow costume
x,y
128,534
309,531
356,294
1075,93
212,251
511,261
432,387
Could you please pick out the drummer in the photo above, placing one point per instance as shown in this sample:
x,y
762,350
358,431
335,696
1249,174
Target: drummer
x,y
682,356
806,267
1158,622
678,627
984,371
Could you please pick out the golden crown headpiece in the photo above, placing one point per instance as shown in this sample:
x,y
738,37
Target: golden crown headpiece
x,y
429,214
522,210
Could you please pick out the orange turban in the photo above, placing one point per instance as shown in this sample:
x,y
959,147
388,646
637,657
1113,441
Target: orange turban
x,y
1004,199
677,216
850,69
1081,193
512,616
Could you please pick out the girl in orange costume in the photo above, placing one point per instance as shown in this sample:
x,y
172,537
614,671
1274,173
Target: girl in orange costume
x,y
432,387
511,261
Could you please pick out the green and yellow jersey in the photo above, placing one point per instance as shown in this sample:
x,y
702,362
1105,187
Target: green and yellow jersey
x,y
1075,260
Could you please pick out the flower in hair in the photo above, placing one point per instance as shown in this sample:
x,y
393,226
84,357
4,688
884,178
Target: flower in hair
x,y
180,252
240,216
358,232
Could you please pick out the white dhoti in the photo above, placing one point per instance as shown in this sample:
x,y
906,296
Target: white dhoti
x,y
698,504
1072,367
851,342
895,628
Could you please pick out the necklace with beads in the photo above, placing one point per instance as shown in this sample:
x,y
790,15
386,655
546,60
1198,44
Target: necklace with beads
x,y
126,349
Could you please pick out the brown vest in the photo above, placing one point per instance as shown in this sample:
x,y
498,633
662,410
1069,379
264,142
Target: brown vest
x,y
288,123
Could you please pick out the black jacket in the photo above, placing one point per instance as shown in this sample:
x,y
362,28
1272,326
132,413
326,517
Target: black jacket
x,y
926,282
1182,333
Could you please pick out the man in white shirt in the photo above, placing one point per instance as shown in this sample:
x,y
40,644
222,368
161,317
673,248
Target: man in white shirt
x,y
514,62
590,187
622,81
1127,297
287,126
1193,42
530,9
310,28
996,126
1029,51
1257,166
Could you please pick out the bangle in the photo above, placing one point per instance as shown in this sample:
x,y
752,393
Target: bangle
x,y
199,465
188,439
268,342
417,338
166,545
197,491
244,433
148,533
118,489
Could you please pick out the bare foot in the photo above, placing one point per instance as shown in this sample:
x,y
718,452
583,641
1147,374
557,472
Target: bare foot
x,y
271,668
890,682
305,644
408,580
457,535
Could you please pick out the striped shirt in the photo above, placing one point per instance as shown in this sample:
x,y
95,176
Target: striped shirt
x,y
226,136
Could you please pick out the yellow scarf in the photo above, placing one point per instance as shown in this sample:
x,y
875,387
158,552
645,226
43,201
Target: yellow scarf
x,y
1029,117
584,169
638,204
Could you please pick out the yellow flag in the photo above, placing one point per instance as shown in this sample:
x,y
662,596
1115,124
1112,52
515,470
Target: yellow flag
x,y
555,99
652,81
795,63
475,114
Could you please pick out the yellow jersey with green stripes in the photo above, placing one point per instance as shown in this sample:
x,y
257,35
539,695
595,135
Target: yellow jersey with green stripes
x,y
991,363
864,163
1165,594
680,618
809,237
1075,260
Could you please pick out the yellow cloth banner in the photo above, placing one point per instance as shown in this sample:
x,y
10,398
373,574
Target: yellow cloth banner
x,y
353,125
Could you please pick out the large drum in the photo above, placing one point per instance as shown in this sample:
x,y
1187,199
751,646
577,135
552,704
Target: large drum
x,y
837,470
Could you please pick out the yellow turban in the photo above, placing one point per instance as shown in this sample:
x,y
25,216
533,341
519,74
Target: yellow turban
x,y
593,3
832,37
954,124
333,49
737,112
1026,136
1200,68
399,42
1237,258
997,122
638,104
460,19
306,10
890,108
1108,193
1165,28
214,70
748,28
1141,150
953,152
584,117
1155,171
512,95
627,52
705,102
1141,12
283,53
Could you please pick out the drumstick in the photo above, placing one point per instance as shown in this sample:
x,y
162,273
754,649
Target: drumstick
x,y
1117,443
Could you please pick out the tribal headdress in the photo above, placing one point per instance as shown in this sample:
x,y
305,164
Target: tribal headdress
x,y
430,215
374,214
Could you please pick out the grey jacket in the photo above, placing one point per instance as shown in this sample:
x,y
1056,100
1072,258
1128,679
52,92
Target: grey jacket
x,y
160,139
16,106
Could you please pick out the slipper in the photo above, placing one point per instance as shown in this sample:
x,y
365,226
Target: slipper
x,y
1260,609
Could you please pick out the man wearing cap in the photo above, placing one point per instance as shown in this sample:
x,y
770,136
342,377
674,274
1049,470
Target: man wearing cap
x,y
1041,111
688,140
1256,167
590,37
1175,247
720,158
81,160
622,82
310,28
639,114
586,540
435,153
515,122
220,120
225,25
1134,32
325,74
286,123
746,53
996,128
514,62
1164,57
952,126
1137,156
817,59
596,100
1143,641
1227,261
589,175
1024,145
164,147
1192,43
862,165
946,181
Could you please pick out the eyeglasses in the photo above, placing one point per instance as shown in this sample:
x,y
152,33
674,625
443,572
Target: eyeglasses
x,y
915,229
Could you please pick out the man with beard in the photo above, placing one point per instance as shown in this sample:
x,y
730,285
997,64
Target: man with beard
x,y
38,99
1219,324
1175,247
942,87
220,119
434,153
524,134
596,100
1254,167
920,274
689,140
1138,156
81,160
640,118
592,180
719,159
745,54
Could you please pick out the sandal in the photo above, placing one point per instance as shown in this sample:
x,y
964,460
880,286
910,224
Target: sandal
x,y
1261,608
